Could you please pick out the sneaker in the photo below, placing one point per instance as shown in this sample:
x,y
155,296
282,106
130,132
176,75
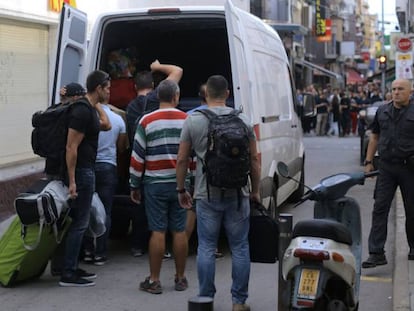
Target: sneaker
x,y
180,284
88,258
151,287
79,272
75,281
240,307
374,260
99,260
137,252
85,275
167,255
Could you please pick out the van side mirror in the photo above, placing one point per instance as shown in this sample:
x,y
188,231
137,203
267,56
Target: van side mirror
x,y
309,105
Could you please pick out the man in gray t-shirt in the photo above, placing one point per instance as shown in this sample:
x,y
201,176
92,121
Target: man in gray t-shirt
x,y
218,208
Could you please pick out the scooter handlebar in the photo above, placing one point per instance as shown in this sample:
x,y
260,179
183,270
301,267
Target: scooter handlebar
x,y
309,195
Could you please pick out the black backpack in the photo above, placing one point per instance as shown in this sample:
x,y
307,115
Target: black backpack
x,y
227,160
50,133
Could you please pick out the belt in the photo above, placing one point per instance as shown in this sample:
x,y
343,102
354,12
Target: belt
x,y
396,161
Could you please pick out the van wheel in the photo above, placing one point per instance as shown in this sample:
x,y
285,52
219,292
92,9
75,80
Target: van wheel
x,y
272,208
297,195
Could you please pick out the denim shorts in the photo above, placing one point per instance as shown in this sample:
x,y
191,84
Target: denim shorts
x,y
163,209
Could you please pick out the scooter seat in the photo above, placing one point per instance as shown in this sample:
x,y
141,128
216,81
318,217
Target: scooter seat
x,y
323,228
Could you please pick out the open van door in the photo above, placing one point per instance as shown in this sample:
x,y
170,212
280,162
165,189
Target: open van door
x,y
71,50
239,67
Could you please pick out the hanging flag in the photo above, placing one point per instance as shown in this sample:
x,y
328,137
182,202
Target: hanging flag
x,y
56,5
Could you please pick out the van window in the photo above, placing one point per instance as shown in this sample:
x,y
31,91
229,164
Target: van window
x,y
276,86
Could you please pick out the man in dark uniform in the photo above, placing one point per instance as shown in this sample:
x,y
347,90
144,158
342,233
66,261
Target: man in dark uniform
x,y
393,136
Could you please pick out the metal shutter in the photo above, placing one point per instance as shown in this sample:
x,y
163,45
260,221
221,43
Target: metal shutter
x,y
23,86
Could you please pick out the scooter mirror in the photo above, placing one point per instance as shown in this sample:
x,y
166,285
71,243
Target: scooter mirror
x,y
283,169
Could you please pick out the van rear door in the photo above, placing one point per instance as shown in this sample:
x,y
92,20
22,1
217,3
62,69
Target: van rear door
x,y
241,76
71,50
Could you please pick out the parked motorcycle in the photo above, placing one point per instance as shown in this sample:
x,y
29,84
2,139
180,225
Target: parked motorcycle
x,y
322,264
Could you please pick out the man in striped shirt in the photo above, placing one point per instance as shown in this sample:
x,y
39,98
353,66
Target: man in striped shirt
x,y
153,164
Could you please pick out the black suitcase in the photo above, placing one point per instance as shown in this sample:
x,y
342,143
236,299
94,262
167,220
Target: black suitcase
x,y
263,235
121,217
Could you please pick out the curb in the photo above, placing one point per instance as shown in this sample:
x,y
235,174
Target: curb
x,y
402,280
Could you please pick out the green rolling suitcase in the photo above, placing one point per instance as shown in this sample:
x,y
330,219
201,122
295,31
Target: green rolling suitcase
x,y
17,263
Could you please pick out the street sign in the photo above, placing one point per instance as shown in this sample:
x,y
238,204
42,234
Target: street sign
x,y
403,64
404,44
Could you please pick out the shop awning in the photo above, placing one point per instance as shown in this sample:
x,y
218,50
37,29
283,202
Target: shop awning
x,y
296,29
353,77
318,69
389,75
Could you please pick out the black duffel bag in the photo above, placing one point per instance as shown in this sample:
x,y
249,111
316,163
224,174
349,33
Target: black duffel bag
x,y
263,235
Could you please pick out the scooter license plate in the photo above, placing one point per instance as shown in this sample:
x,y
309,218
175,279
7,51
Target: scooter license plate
x,y
308,284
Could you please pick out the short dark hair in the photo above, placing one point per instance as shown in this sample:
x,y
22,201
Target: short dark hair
x,y
97,78
202,91
144,80
217,87
166,90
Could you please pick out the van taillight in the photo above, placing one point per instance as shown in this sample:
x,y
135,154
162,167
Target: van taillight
x,y
311,254
164,11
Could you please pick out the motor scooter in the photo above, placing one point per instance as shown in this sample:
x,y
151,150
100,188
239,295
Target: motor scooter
x,y
322,264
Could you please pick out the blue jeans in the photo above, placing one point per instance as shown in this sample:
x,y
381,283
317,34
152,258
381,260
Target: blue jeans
x,y
106,182
80,213
234,215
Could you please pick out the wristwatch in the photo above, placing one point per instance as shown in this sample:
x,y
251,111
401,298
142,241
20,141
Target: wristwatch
x,y
366,162
181,190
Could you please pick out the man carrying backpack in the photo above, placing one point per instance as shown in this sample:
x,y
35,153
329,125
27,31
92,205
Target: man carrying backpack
x,y
68,94
221,187
85,121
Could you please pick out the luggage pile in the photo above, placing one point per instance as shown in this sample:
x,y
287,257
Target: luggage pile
x,y
30,238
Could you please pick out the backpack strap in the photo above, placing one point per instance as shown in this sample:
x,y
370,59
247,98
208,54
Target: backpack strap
x,y
209,114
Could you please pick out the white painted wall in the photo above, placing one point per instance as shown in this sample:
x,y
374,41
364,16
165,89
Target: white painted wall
x,y
29,10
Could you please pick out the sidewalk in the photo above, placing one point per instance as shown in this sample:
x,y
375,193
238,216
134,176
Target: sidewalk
x,y
403,278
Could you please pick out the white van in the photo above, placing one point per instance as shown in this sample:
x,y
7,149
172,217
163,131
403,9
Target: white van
x,y
203,41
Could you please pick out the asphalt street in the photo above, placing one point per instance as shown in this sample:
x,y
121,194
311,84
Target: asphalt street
x,y
385,288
